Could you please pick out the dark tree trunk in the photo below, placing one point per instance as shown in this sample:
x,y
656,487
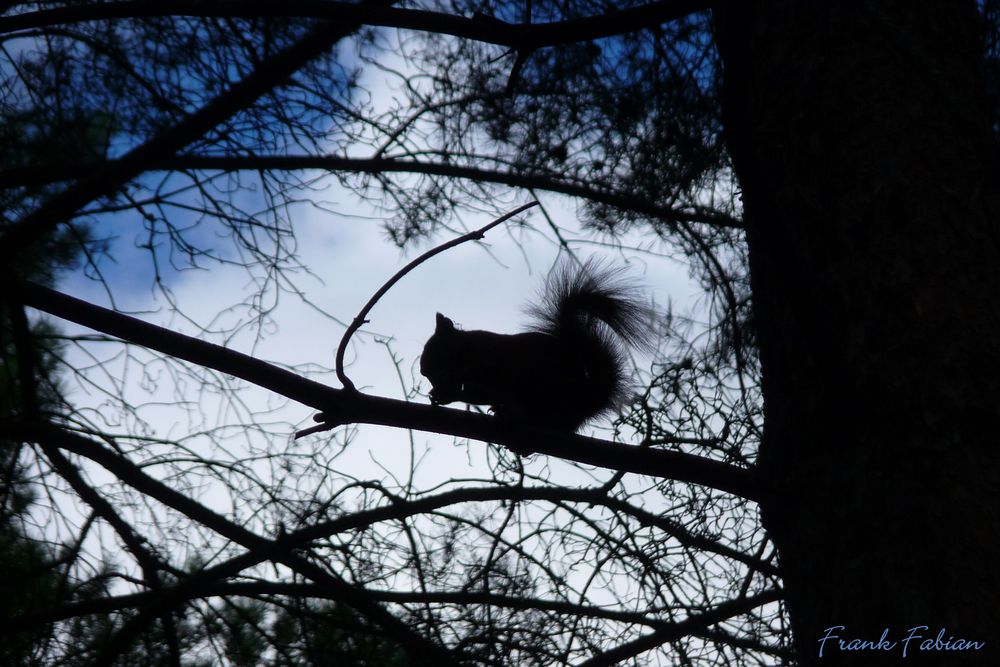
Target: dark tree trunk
x,y
860,136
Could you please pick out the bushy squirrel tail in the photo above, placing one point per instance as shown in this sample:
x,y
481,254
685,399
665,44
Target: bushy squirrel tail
x,y
598,313
577,297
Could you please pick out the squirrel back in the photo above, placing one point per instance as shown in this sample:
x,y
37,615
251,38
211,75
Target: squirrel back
x,y
567,369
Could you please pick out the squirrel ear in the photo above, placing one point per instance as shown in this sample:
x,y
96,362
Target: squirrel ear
x,y
443,324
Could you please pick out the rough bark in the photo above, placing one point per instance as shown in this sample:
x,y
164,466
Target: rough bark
x,y
861,140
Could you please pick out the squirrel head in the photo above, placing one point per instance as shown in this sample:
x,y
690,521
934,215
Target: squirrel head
x,y
436,363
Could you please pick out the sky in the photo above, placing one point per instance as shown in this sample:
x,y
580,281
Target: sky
x,y
482,285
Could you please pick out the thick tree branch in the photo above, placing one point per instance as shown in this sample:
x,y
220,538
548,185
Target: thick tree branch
x,y
625,201
305,590
523,179
353,407
203,582
27,366
128,472
523,37
691,625
111,175
135,543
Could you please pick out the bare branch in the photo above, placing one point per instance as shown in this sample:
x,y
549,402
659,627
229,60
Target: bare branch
x,y
690,625
521,179
112,175
353,407
351,594
360,320
523,37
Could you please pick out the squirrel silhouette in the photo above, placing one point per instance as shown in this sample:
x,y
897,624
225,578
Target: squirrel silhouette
x,y
567,369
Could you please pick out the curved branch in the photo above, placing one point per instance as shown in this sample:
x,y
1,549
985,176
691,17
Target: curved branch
x,y
345,407
359,320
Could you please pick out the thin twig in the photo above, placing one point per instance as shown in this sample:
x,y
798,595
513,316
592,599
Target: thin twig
x,y
361,320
